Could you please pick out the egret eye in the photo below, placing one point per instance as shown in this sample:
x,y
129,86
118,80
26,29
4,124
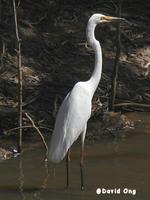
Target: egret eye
x,y
102,18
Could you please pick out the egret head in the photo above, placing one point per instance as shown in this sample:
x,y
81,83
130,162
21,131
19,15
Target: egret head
x,y
100,18
94,20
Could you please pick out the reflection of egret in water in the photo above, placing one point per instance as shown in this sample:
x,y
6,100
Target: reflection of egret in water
x,y
35,192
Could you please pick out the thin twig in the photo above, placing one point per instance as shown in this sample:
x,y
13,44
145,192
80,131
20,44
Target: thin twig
x,y
114,4
132,104
55,106
19,2
25,127
3,53
87,47
19,78
4,47
39,132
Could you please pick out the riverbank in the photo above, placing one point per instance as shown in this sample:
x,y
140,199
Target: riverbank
x,y
55,57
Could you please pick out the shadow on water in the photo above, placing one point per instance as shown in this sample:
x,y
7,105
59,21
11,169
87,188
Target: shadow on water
x,y
114,164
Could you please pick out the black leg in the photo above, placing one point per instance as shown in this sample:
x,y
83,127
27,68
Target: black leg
x,y
81,168
68,167
82,157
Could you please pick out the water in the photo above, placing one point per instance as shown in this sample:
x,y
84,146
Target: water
x,y
114,164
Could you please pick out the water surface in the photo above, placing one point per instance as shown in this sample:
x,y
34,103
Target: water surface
x,y
113,164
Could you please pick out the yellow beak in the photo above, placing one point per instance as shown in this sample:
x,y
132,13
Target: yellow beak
x,y
109,18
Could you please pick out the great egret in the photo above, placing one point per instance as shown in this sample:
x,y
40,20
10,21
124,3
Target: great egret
x,y
75,110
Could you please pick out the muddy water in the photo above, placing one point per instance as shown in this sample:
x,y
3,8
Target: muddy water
x,y
113,164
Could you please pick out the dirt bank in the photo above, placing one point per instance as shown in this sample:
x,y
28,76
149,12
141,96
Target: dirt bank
x,y
55,57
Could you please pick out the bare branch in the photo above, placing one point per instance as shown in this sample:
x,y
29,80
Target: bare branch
x,y
19,78
28,126
116,63
132,104
39,132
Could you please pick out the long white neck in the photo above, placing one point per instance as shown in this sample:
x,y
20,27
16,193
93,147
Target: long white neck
x,y
96,75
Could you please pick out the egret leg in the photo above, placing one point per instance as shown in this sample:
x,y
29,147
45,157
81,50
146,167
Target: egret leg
x,y
81,168
82,158
68,167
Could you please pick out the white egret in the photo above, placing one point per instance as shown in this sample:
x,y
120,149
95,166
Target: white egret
x,y
75,110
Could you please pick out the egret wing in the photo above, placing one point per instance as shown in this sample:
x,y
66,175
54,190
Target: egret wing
x,y
70,122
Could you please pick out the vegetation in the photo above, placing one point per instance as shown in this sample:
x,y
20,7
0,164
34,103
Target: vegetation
x,y
55,56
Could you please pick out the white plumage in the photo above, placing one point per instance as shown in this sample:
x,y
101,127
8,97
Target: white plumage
x,y
70,122
73,115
